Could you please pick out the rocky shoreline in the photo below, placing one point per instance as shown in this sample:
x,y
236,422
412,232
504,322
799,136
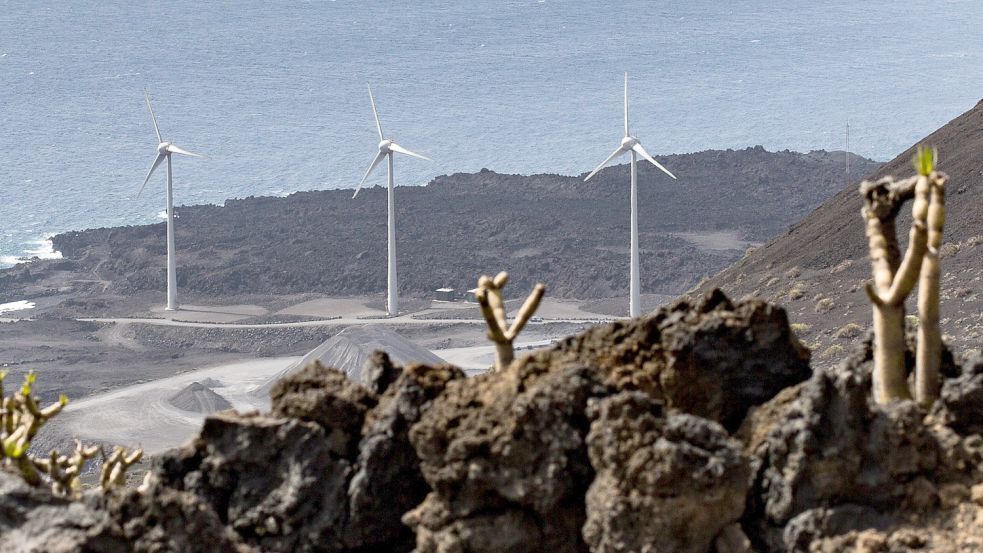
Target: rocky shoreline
x,y
541,227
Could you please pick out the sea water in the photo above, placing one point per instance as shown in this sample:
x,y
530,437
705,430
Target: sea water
x,y
275,92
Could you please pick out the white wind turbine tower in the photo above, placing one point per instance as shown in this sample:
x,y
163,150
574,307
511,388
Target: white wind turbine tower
x,y
630,144
164,151
386,150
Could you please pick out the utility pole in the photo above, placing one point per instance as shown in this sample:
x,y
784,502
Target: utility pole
x,y
846,154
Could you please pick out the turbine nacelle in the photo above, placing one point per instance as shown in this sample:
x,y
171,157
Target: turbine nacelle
x,y
628,142
386,148
164,148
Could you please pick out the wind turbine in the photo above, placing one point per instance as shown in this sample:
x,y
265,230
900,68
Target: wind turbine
x,y
164,151
630,144
386,150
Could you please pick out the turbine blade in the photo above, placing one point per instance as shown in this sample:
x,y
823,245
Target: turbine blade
x,y
375,112
641,151
160,158
626,103
153,117
175,150
375,162
397,148
617,152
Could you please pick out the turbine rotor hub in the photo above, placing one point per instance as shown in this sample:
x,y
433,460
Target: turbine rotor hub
x,y
384,146
162,147
628,142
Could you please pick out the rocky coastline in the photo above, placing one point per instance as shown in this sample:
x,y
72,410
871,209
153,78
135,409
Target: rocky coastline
x,y
547,227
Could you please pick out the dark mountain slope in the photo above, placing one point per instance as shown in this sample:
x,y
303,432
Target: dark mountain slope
x,y
824,257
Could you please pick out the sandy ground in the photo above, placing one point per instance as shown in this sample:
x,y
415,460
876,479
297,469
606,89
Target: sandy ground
x,y
347,310
332,307
120,370
121,358
477,359
212,314
141,416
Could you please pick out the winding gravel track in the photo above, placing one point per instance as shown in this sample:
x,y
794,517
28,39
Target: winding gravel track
x,y
346,321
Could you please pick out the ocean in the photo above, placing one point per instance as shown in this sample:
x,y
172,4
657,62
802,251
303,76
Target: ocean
x,y
275,92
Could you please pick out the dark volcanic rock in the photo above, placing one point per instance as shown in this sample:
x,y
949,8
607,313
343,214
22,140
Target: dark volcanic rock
x,y
712,357
824,445
662,484
550,228
827,447
387,482
962,398
277,483
582,448
506,454
168,521
32,520
815,524
379,372
332,471
325,396
505,457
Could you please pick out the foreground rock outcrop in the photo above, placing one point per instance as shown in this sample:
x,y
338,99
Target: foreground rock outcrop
x,y
830,462
505,456
506,453
714,358
330,469
32,519
698,428
663,483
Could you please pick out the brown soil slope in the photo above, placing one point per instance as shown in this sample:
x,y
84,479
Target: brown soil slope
x,y
817,268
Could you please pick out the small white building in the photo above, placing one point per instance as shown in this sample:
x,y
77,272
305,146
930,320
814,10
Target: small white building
x,y
445,294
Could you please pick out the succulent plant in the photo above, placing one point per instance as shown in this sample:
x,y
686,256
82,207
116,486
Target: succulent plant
x,y
20,420
114,468
489,296
894,277
929,354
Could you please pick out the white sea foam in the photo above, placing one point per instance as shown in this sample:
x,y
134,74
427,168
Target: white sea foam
x,y
16,306
45,250
41,249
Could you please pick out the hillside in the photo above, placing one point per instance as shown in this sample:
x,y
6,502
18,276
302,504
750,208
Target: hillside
x,y
552,228
818,266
